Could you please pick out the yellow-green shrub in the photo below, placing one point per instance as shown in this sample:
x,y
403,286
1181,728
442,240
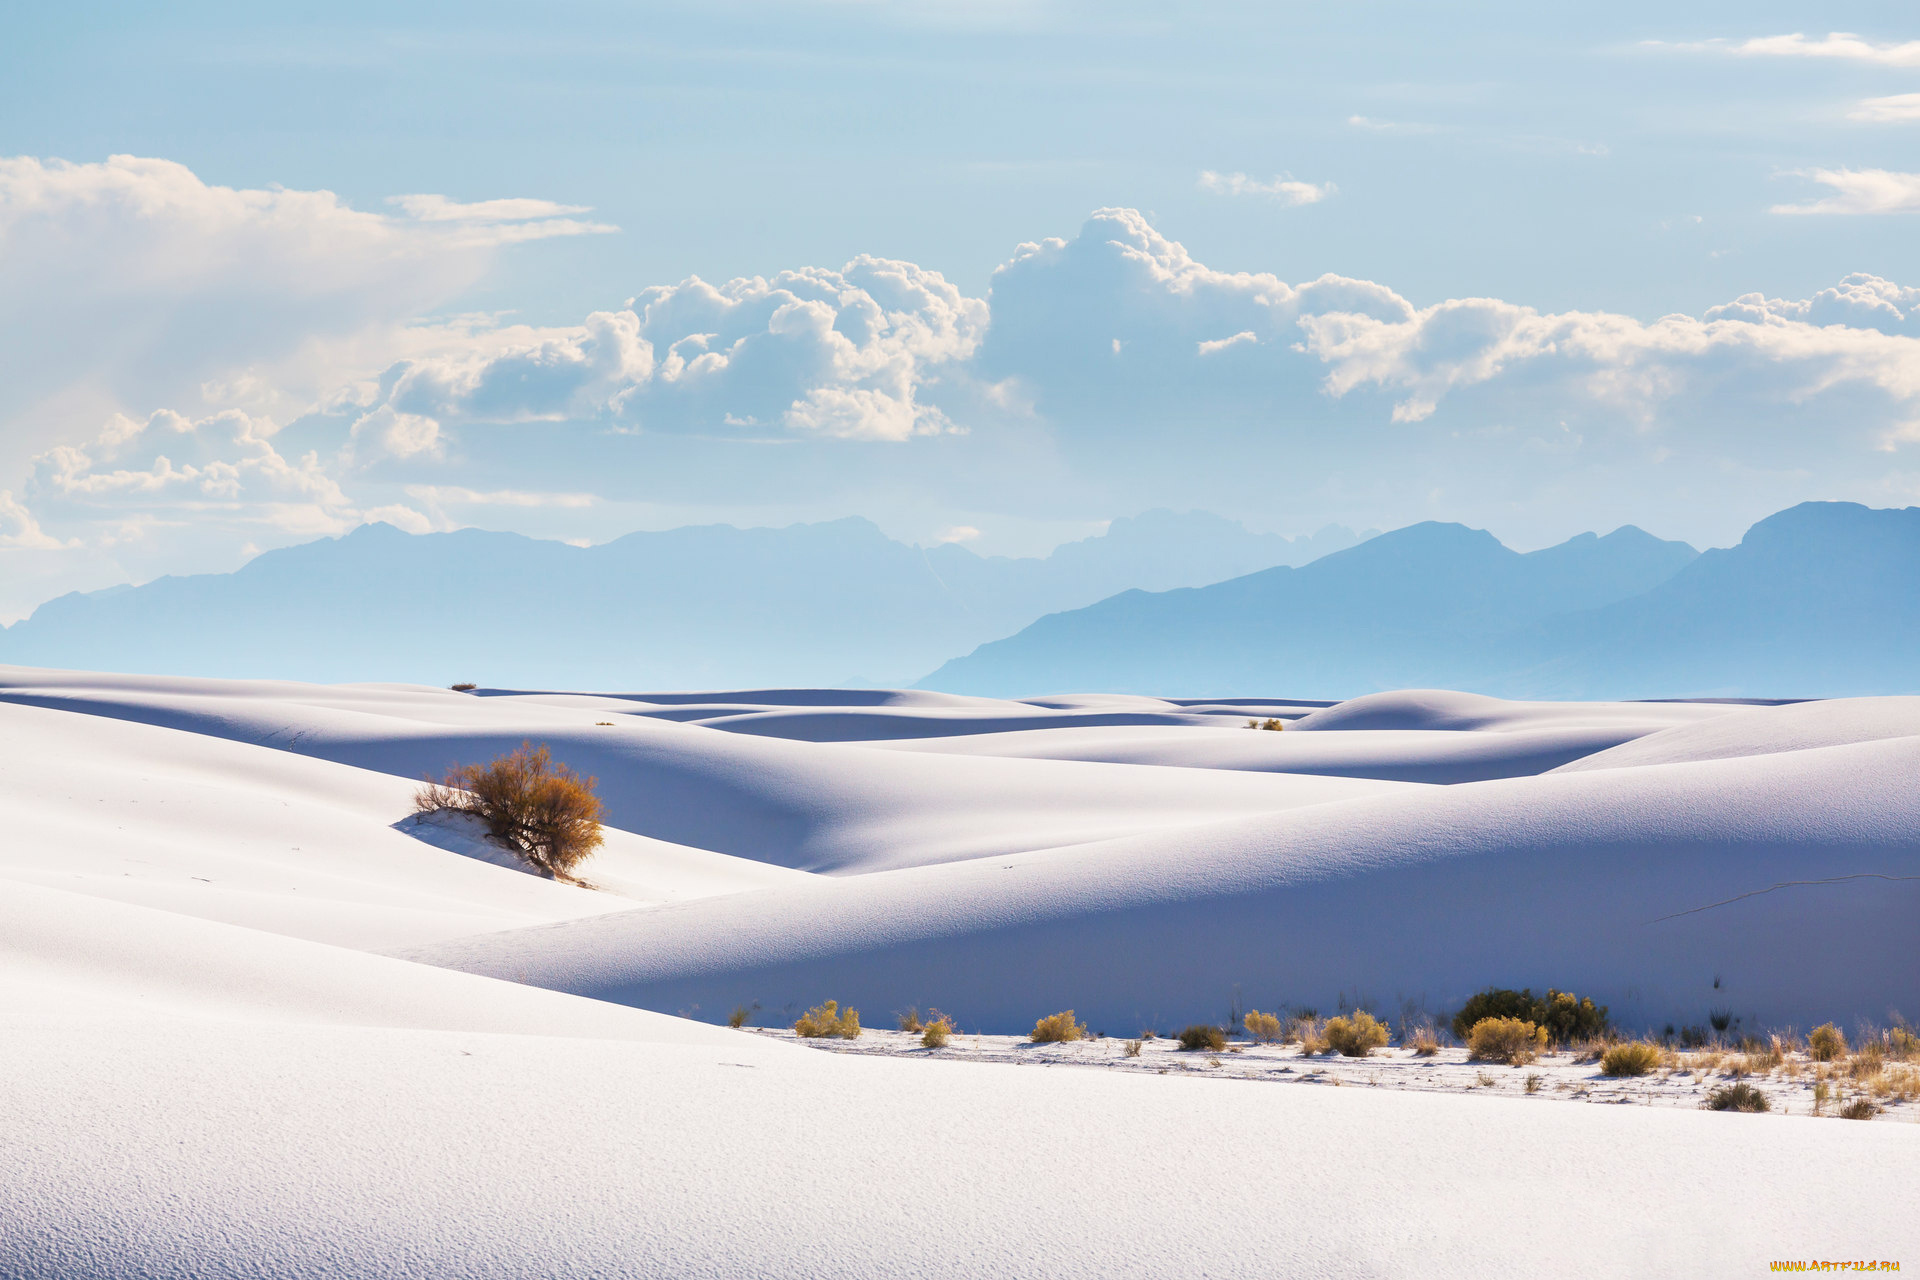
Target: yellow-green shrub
x,y
1510,1040
827,1022
1058,1027
936,1030
1825,1043
1265,1028
1634,1058
1202,1036
1356,1036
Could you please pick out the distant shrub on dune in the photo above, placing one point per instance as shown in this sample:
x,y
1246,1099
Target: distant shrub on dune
x,y
828,1022
738,1018
1565,1017
1312,1039
1271,722
1356,1035
936,1030
1826,1042
1057,1028
1265,1028
1202,1036
464,687
1634,1058
910,1021
545,812
1737,1097
1424,1041
1513,1041
1858,1109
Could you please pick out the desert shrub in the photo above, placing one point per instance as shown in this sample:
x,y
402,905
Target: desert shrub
x,y
910,1021
1058,1027
1869,1061
1737,1097
936,1030
1133,1048
1513,1041
1356,1036
1265,1028
1634,1058
1270,722
1902,1043
738,1018
465,686
828,1022
1565,1016
1858,1109
545,812
1425,1042
1534,1081
1825,1043
1201,1036
1312,1038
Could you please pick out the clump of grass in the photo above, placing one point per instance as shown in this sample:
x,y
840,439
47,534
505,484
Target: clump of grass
x,y
936,1030
545,812
1356,1036
1266,1028
1902,1044
1633,1058
1312,1039
1868,1061
1202,1036
1271,722
1425,1042
1826,1042
465,686
910,1021
1737,1097
1133,1048
738,1018
1513,1041
1057,1028
1858,1109
1534,1081
828,1022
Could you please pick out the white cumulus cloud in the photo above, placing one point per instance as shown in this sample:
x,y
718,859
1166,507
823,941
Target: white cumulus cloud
x,y
1283,189
1898,108
1860,191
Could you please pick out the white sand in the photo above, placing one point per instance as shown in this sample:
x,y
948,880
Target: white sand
x,y
215,1066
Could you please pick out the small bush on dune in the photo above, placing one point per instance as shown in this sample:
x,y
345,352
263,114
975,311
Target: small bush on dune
x,y
1265,1028
1271,722
738,1018
1902,1043
1425,1042
1199,1036
1635,1058
544,812
1858,1109
1513,1041
910,1021
1133,1048
1356,1036
1737,1097
1057,1028
1312,1039
936,1030
1565,1016
1825,1043
828,1022
465,686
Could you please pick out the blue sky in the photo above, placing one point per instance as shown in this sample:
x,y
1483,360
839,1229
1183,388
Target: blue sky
x,y
304,361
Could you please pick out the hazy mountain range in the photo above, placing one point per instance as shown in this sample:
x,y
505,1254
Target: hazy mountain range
x,y
1822,599
699,607
1819,600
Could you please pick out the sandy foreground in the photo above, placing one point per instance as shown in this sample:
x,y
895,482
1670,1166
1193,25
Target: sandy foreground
x,y
256,1020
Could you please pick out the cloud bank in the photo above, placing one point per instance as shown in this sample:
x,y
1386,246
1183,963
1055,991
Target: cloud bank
x,y
1107,369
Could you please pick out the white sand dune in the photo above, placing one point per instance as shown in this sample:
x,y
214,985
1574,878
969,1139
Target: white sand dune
x,y
224,1056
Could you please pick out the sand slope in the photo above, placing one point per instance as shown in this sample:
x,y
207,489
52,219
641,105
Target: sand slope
x,y
254,1021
